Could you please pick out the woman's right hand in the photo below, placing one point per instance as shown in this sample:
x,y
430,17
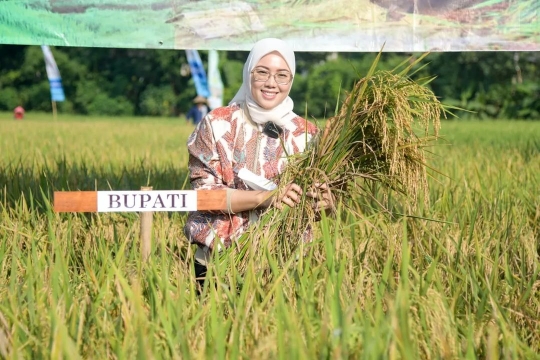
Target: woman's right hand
x,y
290,195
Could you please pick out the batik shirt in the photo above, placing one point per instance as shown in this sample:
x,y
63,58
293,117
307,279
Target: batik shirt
x,y
222,144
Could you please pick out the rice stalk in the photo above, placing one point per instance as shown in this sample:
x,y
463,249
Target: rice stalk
x,y
378,137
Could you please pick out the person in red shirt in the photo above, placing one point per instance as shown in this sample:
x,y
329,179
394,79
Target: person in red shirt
x,y
18,113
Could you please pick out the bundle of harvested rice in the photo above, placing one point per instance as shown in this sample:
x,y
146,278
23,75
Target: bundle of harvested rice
x,y
378,136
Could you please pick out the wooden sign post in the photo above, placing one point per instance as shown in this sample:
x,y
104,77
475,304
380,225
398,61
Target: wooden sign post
x,y
140,201
146,229
146,201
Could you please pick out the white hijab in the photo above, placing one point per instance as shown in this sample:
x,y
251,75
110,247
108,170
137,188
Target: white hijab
x,y
282,113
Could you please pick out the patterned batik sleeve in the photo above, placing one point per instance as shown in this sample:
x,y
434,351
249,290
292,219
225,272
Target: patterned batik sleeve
x,y
205,170
206,173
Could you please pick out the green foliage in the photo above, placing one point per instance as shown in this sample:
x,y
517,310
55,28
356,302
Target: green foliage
x,y
525,101
486,84
158,101
325,83
37,96
9,99
232,78
103,104
489,85
91,99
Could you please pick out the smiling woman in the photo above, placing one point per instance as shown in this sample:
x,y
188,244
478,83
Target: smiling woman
x,y
271,81
244,146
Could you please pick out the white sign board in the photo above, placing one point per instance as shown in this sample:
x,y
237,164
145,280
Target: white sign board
x,y
139,201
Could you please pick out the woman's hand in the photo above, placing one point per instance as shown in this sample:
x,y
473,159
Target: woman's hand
x,y
323,198
290,195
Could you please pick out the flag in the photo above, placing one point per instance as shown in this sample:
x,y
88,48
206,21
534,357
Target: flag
x,y
215,84
57,92
197,73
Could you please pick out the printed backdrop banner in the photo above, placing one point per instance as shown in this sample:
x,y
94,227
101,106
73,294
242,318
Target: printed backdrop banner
x,y
55,81
313,25
197,73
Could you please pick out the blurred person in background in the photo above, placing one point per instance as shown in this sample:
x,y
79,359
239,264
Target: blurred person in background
x,y
198,111
18,113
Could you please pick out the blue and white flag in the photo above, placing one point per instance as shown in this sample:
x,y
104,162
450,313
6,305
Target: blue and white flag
x,y
57,91
215,84
197,73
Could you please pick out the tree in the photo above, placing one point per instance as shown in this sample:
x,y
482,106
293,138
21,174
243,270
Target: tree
x,y
150,82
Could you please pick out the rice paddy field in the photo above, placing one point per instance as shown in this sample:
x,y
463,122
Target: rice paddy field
x,y
458,279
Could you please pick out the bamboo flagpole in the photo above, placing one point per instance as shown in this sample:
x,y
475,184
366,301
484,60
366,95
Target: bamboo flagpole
x,y
54,109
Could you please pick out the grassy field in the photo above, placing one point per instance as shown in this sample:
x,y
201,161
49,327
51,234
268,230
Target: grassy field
x,y
465,284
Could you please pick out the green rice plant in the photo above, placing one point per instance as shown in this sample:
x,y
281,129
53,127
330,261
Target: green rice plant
x,y
380,287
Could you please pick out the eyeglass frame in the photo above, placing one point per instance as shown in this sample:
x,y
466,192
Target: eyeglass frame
x,y
274,76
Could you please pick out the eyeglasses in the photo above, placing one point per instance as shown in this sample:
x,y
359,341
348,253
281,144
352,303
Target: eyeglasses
x,y
281,77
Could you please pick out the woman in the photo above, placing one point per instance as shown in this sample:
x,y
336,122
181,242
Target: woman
x,y
242,146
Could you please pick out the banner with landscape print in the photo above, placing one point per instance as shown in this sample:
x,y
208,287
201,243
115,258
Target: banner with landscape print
x,y
309,25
